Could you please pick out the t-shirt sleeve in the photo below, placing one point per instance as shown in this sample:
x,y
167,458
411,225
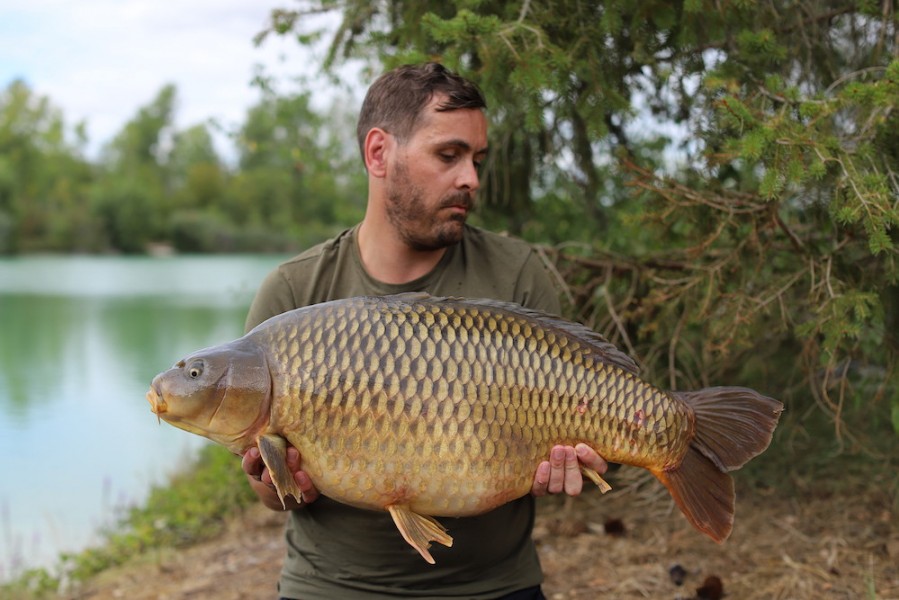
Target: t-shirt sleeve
x,y
273,298
536,289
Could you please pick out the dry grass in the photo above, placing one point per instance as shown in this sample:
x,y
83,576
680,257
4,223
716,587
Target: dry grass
x,y
813,544
810,544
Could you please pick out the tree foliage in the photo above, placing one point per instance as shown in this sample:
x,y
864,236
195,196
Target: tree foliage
x,y
718,180
155,184
42,176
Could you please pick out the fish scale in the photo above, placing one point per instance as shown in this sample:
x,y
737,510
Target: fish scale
x,y
430,407
467,338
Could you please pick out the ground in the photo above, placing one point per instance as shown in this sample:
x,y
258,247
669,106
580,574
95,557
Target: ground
x,y
630,543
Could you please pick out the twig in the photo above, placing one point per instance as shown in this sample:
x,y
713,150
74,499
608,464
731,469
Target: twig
x,y
551,267
619,324
672,346
793,237
840,80
525,7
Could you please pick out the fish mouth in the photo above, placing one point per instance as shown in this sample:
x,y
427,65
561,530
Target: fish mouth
x,y
157,402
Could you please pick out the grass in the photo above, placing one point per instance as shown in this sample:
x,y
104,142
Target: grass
x,y
193,506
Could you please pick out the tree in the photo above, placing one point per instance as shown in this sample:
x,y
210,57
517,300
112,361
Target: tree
x,y
195,171
297,176
298,179
729,171
43,178
134,193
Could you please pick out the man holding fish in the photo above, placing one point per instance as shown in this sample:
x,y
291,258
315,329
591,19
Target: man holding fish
x,y
422,133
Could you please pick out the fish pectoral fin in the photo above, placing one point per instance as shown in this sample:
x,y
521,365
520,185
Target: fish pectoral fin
x,y
273,449
419,530
593,476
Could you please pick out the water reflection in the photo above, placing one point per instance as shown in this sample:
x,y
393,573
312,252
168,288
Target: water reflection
x,y
80,340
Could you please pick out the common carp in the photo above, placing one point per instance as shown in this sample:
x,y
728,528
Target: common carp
x,y
428,407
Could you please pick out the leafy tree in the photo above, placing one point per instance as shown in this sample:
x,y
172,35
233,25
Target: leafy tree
x,y
43,178
142,140
195,171
729,172
198,182
297,177
296,182
134,195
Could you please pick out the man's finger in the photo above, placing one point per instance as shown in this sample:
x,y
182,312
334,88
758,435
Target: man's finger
x,y
251,463
293,458
591,459
574,483
307,488
556,470
541,479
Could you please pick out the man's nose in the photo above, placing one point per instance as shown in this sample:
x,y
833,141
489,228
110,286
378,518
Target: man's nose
x,y
468,177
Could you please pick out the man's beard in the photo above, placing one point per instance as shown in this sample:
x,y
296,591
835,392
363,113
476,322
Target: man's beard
x,y
419,229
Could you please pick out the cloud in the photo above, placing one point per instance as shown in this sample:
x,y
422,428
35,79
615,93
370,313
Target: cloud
x,y
99,61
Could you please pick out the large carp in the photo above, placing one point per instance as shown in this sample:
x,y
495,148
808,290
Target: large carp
x,y
426,406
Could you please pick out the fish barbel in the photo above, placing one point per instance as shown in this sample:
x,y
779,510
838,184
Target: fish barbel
x,y
425,407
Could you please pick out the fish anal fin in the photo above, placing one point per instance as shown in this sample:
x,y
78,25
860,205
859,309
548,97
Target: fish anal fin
x,y
703,493
595,477
273,449
419,530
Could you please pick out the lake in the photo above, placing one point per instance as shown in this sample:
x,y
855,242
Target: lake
x,y
80,340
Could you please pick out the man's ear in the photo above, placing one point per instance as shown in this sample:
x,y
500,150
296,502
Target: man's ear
x,y
378,144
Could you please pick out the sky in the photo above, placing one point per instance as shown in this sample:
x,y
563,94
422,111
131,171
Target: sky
x,y
100,61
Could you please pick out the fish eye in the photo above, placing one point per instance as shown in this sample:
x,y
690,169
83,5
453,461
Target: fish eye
x,y
195,369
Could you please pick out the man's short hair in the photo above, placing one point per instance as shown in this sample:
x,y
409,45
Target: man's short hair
x,y
395,102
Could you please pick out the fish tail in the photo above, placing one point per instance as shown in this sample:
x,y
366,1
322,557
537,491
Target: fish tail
x,y
733,424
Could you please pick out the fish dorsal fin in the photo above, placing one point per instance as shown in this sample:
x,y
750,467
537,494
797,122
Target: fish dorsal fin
x,y
603,349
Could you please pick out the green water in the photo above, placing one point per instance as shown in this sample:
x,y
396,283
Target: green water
x,y
80,340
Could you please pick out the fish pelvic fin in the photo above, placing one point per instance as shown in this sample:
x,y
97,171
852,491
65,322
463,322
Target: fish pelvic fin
x,y
733,425
419,530
703,493
273,449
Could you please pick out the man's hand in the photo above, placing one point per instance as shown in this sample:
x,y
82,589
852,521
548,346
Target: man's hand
x,y
562,472
261,480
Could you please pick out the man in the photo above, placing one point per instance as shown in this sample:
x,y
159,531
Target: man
x,y
423,134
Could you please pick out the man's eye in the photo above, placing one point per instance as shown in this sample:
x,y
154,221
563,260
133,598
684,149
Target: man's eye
x,y
447,157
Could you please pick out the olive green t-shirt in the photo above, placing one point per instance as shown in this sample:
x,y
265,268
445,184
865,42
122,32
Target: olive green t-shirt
x,y
337,551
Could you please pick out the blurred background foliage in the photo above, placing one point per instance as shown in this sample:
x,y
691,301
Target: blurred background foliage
x,y
714,183
292,181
